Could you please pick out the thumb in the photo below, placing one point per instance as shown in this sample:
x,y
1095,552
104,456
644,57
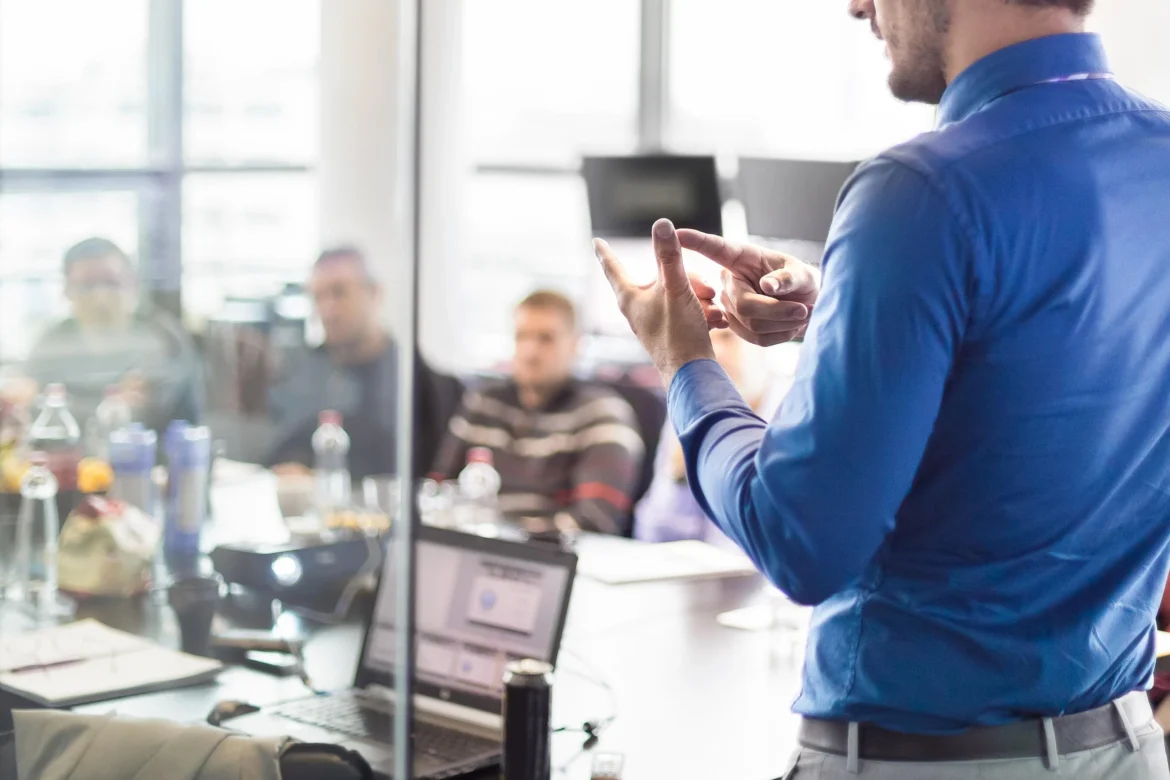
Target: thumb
x,y
778,283
671,273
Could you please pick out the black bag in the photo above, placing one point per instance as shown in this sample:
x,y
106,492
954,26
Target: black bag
x,y
308,761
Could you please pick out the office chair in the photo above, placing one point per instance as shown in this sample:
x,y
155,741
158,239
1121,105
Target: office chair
x,y
650,413
7,755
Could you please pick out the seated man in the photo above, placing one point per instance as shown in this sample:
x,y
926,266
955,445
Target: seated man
x,y
111,341
355,372
568,453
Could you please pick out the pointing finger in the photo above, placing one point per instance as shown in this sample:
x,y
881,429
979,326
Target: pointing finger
x,y
712,247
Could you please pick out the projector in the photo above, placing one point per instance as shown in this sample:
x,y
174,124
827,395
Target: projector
x,y
296,568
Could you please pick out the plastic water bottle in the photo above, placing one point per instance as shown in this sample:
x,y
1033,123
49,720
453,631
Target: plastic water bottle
x,y
479,487
55,432
331,463
112,414
36,548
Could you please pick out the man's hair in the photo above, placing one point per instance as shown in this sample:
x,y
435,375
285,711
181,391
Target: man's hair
x,y
1079,7
551,300
92,249
345,252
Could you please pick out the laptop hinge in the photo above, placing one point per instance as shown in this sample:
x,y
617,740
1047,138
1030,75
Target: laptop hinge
x,y
443,710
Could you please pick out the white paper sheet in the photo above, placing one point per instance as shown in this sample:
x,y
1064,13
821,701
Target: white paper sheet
x,y
88,661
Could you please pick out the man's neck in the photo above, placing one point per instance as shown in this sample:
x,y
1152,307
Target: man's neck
x,y
97,335
371,346
977,31
537,397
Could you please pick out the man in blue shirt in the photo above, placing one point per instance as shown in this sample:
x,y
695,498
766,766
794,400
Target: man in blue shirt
x,y
971,476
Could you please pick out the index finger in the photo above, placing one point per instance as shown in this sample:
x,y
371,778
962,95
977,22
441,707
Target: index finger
x,y
713,247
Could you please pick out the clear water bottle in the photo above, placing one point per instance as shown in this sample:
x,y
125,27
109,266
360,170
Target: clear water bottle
x,y
479,489
55,433
331,463
112,414
36,539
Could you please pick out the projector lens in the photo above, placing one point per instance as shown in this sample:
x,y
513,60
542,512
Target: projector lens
x,y
287,571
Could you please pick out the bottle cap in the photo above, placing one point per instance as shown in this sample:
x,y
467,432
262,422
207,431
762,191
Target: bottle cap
x,y
480,455
55,391
329,417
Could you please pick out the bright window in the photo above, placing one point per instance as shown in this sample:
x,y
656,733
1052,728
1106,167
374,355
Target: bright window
x,y
781,77
245,235
545,81
251,81
73,83
1135,37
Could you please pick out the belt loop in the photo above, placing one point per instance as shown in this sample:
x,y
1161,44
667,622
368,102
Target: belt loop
x,y
1130,734
1050,749
853,752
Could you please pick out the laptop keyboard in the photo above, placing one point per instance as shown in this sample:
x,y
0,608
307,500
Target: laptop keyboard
x,y
349,716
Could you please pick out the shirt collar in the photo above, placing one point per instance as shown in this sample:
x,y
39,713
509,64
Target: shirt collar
x,y
1021,65
557,400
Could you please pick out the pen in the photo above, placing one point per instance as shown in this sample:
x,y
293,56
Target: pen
x,y
44,667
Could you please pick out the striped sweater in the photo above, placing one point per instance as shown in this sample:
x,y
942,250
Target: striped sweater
x,y
581,454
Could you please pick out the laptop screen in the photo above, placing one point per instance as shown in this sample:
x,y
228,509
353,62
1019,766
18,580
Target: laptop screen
x,y
480,603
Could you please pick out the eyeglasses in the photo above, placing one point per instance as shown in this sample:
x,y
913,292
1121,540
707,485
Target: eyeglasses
x,y
97,285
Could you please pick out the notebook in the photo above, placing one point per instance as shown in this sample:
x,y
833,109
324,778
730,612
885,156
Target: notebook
x,y
617,561
86,661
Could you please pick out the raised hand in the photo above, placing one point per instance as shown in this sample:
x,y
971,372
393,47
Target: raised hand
x,y
666,315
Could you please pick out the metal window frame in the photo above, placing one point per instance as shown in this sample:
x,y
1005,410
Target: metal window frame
x,y
159,183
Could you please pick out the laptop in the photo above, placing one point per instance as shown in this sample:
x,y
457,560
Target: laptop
x,y
480,603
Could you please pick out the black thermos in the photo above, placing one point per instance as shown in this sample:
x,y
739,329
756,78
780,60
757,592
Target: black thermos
x,y
527,698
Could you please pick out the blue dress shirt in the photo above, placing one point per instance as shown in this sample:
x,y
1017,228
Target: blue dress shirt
x,y
971,475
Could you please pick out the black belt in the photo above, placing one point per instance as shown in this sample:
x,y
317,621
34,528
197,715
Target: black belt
x,y
1022,739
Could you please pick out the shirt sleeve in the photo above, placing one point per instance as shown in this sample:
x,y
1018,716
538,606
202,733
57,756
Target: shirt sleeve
x,y
811,497
607,467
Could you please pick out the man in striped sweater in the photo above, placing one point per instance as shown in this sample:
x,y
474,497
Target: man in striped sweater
x,y
568,452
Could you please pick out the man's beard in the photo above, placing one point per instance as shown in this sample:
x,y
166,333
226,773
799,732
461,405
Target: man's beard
x,y
919,75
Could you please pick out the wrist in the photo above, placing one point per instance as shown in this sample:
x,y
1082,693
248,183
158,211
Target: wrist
x,y
670,366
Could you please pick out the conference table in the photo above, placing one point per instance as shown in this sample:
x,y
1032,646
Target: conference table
x,y
684,695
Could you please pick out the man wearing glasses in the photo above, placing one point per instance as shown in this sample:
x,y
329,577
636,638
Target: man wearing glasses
x,y
110,341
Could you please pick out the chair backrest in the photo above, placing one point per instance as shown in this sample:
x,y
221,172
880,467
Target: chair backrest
x,y
650,412
443,396
7,755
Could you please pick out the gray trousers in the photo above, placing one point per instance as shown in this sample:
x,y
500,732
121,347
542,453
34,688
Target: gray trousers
x,y
1117,761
